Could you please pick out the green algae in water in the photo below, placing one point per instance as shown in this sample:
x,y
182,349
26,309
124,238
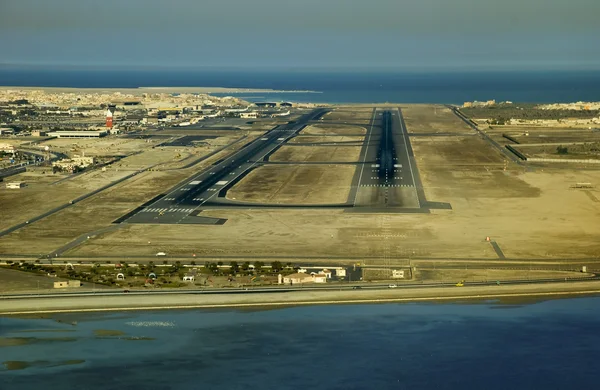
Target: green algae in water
x,y
21,365
108,333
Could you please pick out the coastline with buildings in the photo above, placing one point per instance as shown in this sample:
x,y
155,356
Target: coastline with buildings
x,y
99,301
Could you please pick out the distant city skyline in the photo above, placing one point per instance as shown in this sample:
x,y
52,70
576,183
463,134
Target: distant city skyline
x,y
410,34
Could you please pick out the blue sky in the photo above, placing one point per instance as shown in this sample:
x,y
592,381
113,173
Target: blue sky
x,y
406,34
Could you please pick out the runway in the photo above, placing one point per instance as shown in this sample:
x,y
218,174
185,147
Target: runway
x,y
182,203
388,176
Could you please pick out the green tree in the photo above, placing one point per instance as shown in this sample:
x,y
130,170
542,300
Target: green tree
x,y
562,150
234,267
258,266
246,266
276,266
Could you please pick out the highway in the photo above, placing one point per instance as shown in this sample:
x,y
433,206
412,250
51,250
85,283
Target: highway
x,y
388,176
182,203
291,289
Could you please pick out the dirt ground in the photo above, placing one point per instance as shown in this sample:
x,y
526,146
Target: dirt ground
x,y
574,151
528,135
481,275
46,190
433,119
317,153
106,146
93,213
298,184
333,129
345,114
302,139
12,280
20,205
530,212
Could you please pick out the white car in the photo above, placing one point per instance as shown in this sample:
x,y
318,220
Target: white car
x,y
392,285
161,254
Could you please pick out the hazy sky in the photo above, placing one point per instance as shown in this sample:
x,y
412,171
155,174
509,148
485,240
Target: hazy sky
x,y
300,33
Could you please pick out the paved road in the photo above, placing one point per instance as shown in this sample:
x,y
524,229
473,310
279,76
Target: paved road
x,y
289,289
181,203
390,179
10,171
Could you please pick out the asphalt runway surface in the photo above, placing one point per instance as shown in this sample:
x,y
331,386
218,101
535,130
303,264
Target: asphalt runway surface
x,y
188,140
182,203
388,176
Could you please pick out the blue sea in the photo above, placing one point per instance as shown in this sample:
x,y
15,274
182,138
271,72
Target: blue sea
x,y
342,86
548,345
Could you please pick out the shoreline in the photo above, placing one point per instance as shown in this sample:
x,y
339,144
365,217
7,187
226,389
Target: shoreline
x,y
16,307
150,89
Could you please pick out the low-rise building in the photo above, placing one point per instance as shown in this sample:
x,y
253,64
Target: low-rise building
x,y
39,133
68,284
78,134
319,278
301,278
7,148
298,278
75,163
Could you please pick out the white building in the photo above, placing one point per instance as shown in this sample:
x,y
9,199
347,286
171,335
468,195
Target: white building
x,y
297,278
15,185
301,278
78,134
7,148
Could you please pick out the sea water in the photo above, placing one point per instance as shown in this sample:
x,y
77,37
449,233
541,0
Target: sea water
x,y
335,86
547,345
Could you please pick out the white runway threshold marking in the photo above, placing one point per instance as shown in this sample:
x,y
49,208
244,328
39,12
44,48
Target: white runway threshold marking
x,y
222,182
195,182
